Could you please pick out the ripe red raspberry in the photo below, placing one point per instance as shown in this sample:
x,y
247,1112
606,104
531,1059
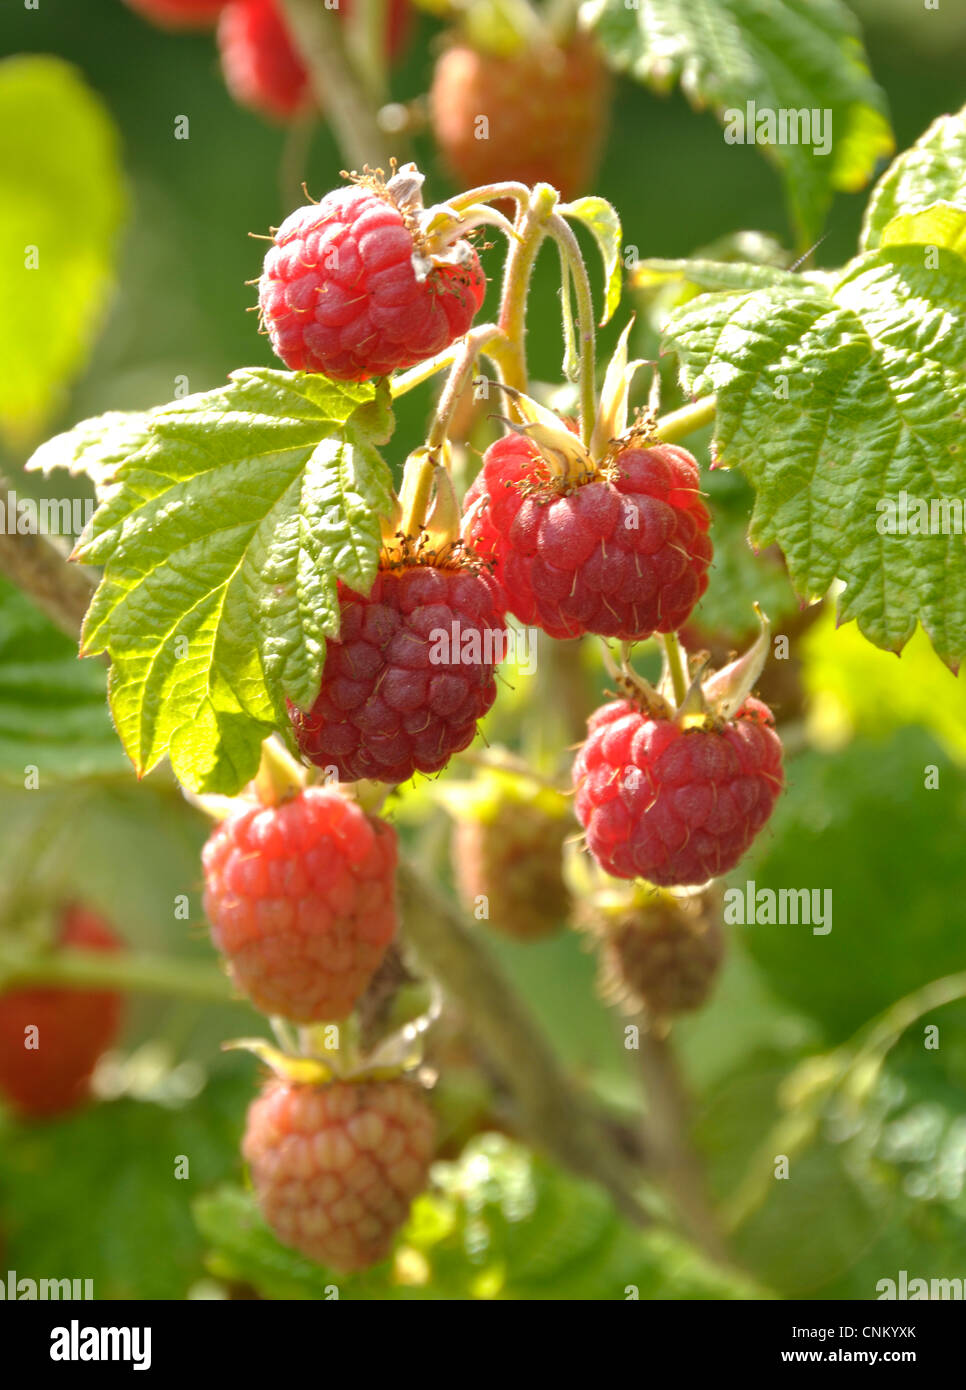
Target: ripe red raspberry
x,y
335,1167
301,901
412,672
179,14
544,110
261,65
350,289
622,555
675,805
74,1026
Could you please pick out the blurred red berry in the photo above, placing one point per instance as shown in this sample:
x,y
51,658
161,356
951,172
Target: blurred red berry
x,y
73,1028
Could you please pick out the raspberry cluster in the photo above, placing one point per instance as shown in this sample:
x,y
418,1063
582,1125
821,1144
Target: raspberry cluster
x,y
301,901
623,555
410,676
675,804
336,1167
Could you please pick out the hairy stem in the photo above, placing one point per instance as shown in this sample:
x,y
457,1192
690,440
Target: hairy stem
x,y
574,261
551,1112
458,380
531,230
337,85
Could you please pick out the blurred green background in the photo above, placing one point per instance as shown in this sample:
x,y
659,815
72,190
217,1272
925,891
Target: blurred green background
x,y
878,1152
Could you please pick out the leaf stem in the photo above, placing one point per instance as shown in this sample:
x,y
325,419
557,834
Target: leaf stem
x,y
678,424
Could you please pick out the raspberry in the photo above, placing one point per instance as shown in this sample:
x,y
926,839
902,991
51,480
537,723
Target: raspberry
x,y
340,294
412,672
179,14
675,805
545,110
509,852
622,555
335,1167
260,63
301,900
661,953
74,1027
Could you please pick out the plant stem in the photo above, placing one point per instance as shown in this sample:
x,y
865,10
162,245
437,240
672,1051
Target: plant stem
x,y
668,1114
39,567
680,423
136,974
531,230
570,252
459,378
338,87
551,1112
676,665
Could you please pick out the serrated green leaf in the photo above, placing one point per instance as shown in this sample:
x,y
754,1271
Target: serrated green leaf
x,y
601,219
941,224
833,400
63,199
789,55
932,170
53,707
223,538
94,448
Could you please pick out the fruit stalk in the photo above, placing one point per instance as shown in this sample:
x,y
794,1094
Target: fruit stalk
x,y
574,262
322,47
678,424
532,227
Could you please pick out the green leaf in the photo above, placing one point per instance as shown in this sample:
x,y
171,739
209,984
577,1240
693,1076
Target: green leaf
x,y
499,1224
898,908
853,688
788,55
223,538
941,224
833,398
707,275
96,1195
94,448
932,170
62,196
53,707
601,219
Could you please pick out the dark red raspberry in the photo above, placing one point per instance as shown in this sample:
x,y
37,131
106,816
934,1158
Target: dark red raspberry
x,y
262,68
412,672
301,901
545,109
675,805
335,1167
340,294
179,14
74,1026
622,555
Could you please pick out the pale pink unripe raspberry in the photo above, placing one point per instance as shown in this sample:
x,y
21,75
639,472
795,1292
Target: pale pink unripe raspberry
x,y
336,1167
301,901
